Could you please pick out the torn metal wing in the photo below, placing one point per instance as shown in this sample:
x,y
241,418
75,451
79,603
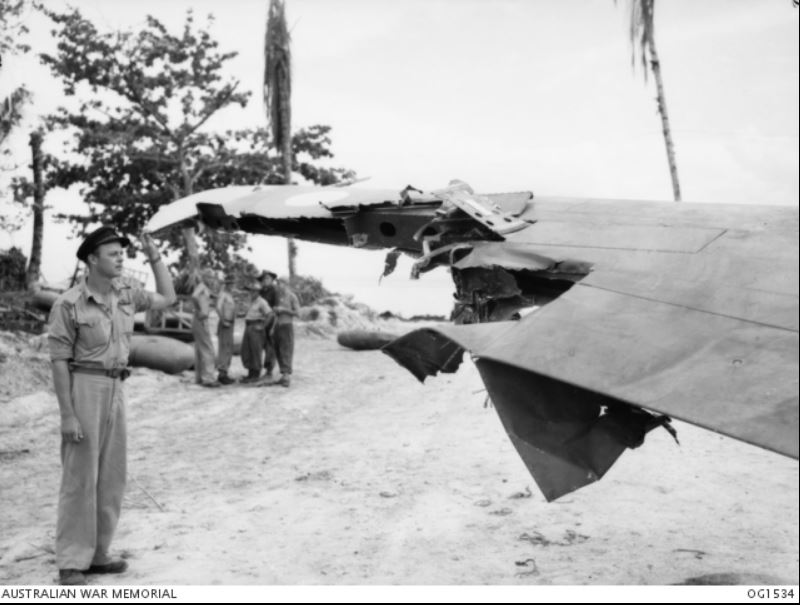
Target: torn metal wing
x,y
585,313
688,310
365,218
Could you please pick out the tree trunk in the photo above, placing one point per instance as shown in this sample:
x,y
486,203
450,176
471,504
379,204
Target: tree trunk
x,y
34,266
191,248
662,109
189,238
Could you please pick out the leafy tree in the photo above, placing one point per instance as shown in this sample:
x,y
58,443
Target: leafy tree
x,y
642,34
138,137
12,32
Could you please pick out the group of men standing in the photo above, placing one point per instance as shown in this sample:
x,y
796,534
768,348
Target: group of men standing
x,y
268,336
269,331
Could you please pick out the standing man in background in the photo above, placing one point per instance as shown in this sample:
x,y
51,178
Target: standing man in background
x,y
89,341
203,346
226,310
286,310
269,292
255,323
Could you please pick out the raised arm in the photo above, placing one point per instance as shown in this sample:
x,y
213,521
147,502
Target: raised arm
x,y
164,295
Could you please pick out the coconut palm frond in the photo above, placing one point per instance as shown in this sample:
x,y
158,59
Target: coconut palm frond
x,y
640,31
277,73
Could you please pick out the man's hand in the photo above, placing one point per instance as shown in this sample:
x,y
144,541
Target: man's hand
x,y
149,246
71,429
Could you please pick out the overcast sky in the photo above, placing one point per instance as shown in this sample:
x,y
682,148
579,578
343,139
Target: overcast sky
x,y
505,95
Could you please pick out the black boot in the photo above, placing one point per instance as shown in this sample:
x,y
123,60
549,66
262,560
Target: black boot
x,y
223,377
252,376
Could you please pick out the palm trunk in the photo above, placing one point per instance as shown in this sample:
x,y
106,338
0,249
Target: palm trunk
x,y
34,266
277,98
291,246
662,110
286,160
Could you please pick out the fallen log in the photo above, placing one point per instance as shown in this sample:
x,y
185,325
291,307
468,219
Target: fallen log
x,y
364,340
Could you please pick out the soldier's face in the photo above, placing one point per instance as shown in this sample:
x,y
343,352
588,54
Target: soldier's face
x,y
108,259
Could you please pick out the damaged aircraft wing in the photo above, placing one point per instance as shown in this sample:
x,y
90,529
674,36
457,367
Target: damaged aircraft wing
x,y
591,321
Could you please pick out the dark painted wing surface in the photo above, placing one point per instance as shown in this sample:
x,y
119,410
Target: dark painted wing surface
x,y
690,311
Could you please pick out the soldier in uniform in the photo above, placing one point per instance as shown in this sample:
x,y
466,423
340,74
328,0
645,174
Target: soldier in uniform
x,y
255,323
226,310
89,342
269,292
286,309
203,345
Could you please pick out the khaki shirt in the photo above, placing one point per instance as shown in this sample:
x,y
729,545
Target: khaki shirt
x,y
259,309
288,300
201,301
87,332
226,308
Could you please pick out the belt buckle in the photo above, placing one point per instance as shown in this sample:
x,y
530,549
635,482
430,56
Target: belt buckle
x,y
121,373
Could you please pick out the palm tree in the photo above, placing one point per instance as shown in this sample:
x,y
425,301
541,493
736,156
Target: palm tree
x,y
277,96
642,35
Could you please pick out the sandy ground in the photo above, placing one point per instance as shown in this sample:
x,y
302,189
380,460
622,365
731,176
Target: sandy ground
x,y
358,474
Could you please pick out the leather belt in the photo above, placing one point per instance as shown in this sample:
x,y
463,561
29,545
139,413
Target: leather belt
x,y
121,373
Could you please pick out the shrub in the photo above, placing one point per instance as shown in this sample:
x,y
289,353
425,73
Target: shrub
x,y
12,270
309,290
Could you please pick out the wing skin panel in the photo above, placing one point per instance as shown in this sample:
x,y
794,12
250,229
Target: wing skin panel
x,y
619,236
603,212
186,208
566,435
721,373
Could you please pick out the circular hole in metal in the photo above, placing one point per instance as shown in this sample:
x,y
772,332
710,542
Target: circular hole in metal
x,y
388,229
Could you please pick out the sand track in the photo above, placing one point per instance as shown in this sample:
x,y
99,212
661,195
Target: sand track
x,y
360,475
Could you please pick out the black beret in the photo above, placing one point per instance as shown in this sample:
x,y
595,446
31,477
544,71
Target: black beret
x,y
98,237
270,273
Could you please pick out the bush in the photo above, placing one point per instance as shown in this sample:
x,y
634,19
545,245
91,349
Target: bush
x,y
12,270
309,290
